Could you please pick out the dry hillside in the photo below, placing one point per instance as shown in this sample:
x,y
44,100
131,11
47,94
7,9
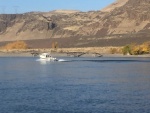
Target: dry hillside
x,y
124,21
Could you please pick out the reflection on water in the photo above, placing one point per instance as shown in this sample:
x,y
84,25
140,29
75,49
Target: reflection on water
x,y
43,62
78,85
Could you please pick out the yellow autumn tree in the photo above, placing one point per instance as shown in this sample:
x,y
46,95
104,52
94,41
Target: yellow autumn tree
x,y
135,49
55,45
16,45
145,47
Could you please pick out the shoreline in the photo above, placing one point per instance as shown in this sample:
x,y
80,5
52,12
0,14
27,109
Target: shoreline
x,y
56,54
64,55
63,52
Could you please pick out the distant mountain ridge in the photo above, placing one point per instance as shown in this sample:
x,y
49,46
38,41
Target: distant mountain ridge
x,y
122,19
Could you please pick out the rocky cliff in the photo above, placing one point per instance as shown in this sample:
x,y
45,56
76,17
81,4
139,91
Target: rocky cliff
x,y
122,19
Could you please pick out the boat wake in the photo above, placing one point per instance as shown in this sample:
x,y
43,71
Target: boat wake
x,y
59,60
62,60
98,61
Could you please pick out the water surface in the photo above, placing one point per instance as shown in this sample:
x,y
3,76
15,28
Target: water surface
x,y
80,85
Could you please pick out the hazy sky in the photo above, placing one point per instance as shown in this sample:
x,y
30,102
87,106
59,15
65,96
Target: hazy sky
x,y
21,6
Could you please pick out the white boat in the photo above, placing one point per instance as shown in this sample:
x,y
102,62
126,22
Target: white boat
x,y
47,57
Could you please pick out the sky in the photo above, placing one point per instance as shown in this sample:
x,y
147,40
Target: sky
x,y
23,6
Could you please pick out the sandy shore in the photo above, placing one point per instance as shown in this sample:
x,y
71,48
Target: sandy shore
x,y
90,52
65,55
23,54
3,54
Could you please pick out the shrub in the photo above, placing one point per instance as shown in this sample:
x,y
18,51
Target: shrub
x,y
16,45
135,49
145,48
114,50
55,45
126,50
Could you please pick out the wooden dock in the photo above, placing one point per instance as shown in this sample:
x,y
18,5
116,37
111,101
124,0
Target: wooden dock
x,y
79,54
72,54
75,54
35,53
97,55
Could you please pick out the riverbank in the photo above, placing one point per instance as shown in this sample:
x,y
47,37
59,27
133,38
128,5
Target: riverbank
x,y
63,52
23,54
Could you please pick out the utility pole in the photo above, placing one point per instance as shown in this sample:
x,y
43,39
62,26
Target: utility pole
x,y
16,9
3,8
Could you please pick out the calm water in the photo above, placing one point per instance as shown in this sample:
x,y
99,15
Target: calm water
x,y
81,85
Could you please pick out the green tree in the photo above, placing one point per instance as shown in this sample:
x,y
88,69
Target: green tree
x,y
126,50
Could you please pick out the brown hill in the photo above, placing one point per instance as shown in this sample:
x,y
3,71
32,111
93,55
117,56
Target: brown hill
x,y
125,21
117,4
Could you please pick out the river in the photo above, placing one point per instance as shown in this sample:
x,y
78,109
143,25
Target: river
x,y
79,85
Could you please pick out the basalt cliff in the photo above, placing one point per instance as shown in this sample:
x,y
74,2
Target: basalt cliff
x,y
123,22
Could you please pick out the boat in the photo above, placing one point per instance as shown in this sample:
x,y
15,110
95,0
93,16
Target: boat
x,y
47,57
